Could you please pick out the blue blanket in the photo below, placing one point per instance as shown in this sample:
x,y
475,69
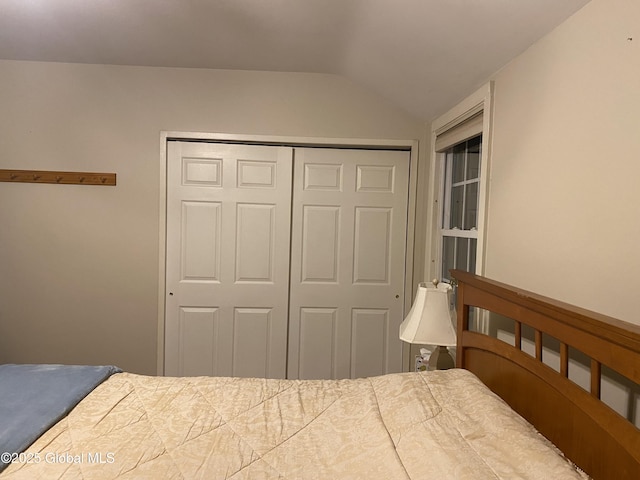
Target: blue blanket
x,y
34,397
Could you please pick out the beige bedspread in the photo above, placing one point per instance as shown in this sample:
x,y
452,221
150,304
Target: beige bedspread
x,y
443,424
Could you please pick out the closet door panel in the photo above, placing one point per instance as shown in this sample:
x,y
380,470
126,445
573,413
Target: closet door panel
x,y
348,257
227,270
317,341
320,243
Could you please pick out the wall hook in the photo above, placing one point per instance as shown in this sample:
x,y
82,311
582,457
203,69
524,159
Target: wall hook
x,y
59,177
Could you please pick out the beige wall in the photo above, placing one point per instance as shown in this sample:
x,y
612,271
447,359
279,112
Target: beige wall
x,y
564,201
79,264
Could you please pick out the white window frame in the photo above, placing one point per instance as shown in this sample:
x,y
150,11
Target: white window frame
x,y
481,100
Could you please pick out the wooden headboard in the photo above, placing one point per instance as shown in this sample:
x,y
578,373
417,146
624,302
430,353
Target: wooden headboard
x,y
600,441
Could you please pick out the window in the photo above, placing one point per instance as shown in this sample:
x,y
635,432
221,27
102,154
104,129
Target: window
x,y
460,198
460,164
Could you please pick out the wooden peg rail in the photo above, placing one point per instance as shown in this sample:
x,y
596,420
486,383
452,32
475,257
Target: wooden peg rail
x,y
50,176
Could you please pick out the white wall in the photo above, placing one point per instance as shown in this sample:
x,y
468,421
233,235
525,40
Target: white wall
x,y
564,201
79,264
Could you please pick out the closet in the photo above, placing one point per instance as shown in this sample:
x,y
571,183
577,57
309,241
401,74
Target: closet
x,y
284,262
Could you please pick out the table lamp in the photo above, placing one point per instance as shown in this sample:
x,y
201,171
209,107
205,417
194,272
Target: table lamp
x,y
429,323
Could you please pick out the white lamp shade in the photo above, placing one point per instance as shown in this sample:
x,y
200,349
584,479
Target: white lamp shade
x,y
429,320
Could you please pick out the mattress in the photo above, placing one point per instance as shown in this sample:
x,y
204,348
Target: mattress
x,y
400,426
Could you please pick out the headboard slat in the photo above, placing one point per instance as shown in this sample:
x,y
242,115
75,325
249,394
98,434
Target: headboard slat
x,y
538,336
564,360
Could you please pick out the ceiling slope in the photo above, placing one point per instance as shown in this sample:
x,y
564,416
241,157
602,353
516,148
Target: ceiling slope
x,y
422,55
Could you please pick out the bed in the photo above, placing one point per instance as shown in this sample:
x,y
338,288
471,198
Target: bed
x,y
399,426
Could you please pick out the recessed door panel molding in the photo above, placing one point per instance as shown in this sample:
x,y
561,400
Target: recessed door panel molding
x,y
370,330
323,177
203,172
198,333
372,178
254,174
201,222
320,243
372,245
252,332
255,242
317,342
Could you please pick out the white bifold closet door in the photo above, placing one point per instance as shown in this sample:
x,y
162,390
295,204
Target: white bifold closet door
x,y
347,262
284,262
227,265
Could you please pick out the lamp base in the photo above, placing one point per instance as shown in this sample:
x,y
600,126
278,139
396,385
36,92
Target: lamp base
x,y
441,359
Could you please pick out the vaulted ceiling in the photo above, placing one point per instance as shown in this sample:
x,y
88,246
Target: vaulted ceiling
x,y
421,55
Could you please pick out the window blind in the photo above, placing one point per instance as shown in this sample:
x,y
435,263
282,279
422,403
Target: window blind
x,y
460,132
